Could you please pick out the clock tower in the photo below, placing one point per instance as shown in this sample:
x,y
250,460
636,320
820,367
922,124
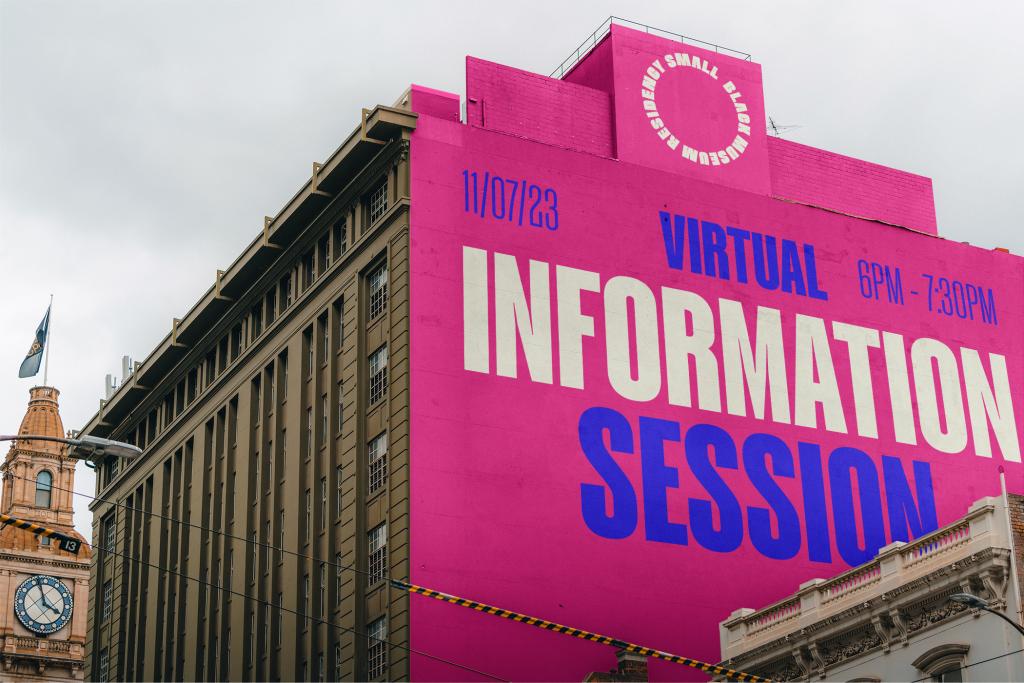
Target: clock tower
x,y
44,591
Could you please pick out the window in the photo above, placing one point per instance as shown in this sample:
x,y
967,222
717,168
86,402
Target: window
x,y
378,286
285,291
309,514
323,251
378,552
271,305
325,340
307,269
320,667
110,533
337,491
337,577
104,665
323,503
943,663
340,237
253,569
236,341
309,432
378,374
378,202
305,598
255,322
323,590
44,489
378,462
324,417
307,341
108,600
280,603
266,627
377,648
337,662
251,639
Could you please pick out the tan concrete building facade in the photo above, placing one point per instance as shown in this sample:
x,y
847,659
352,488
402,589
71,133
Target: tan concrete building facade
x,y
252,538
41,640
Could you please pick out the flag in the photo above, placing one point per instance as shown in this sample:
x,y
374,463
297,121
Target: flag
x,y
30,366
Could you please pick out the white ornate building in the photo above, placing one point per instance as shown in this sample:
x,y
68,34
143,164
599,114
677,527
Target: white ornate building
x,y
44,591
891,619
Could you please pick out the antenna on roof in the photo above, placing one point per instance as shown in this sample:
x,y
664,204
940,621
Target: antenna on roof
x,y
777,130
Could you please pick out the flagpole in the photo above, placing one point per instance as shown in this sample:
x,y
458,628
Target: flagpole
x,y
49,328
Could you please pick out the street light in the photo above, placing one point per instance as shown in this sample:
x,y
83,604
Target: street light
x,y
979,603
84,447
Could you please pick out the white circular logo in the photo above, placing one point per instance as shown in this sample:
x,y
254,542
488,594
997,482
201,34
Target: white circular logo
x,y
677,140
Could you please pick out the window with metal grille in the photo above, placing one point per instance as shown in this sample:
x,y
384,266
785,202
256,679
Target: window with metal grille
x,y
378,374
378,284
378,552
109,533
337,662
104,665
108,600
376,456
320,667
377,648
378,202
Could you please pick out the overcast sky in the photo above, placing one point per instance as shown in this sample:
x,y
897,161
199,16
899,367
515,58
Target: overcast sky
x,y
141,143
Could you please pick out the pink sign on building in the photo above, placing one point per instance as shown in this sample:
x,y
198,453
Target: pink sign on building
x,y
664,365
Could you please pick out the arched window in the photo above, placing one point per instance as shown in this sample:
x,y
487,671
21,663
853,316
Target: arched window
x,y
44,485
943,663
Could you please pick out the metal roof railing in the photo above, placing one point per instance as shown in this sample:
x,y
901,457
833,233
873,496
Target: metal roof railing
x,y
587,45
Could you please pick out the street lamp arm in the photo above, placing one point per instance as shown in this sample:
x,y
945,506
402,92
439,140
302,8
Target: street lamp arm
x,y
1005,618
85,447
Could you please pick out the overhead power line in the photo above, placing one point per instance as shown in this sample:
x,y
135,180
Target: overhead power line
x,y
455,600
309,617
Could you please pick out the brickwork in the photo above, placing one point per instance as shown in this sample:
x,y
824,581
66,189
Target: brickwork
x,y
539,108
1016,507
832,181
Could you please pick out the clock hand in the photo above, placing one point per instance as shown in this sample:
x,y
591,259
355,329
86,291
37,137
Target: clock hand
x,y
46,603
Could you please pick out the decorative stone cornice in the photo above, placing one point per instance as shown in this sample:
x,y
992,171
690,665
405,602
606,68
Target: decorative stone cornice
x,y
876,606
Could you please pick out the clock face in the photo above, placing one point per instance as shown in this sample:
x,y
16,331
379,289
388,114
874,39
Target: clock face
x,y
43,604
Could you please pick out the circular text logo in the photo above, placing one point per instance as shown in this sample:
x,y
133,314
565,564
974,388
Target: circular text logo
x,y
677,141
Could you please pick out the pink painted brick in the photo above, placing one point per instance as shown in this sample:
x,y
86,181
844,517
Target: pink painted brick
x,y
544,109
840,183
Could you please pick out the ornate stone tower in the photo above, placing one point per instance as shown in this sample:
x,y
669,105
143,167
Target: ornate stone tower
x,y
44,591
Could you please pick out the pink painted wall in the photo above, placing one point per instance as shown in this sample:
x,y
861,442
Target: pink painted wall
x,y
544,109
820,178
499,473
